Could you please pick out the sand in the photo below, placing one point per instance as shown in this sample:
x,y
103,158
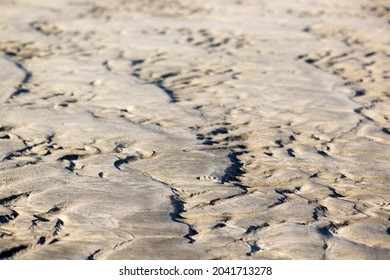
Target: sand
x,y
194,129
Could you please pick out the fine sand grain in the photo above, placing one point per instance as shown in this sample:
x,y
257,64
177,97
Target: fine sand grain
x,y
146,129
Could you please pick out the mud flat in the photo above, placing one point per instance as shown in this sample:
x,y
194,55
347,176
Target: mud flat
x,y
194,129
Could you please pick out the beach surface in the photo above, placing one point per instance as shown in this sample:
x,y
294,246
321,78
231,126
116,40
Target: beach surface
x,y
198,129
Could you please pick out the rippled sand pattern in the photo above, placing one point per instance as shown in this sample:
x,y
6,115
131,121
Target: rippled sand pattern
x,y
196,129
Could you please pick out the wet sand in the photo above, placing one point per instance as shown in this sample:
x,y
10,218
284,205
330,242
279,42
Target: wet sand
x,y
194,129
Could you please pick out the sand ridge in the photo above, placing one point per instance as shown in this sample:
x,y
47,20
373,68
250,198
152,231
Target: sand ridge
x,y
204,130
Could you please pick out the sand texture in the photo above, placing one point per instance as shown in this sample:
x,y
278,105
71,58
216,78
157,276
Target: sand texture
x,y
203,129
